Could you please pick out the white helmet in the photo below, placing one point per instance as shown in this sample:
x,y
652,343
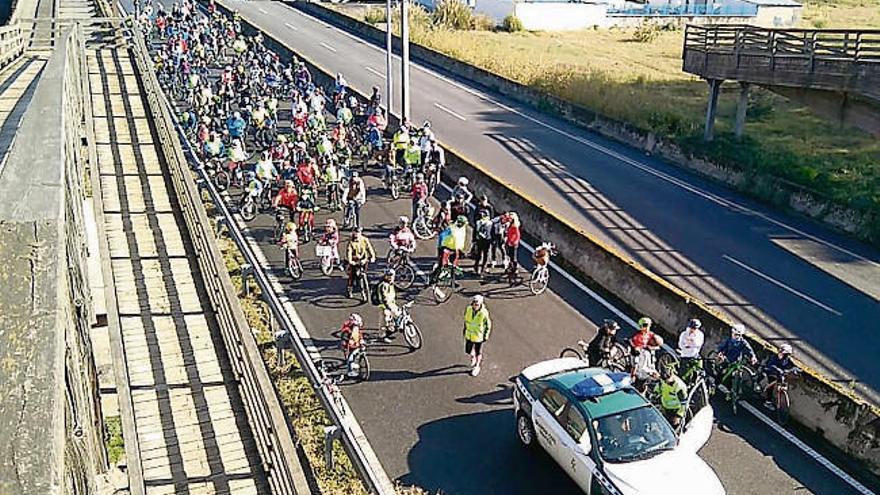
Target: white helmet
x,y
356,319
785,348
477,299
463,181
404,220
738,330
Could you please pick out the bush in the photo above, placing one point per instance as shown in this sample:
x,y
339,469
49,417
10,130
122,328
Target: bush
x,y
820,23
374,16
453,14
647,32
483,23
512,24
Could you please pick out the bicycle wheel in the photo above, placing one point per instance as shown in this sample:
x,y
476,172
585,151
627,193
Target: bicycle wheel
x,y
248,211
571,352
445,286
666,359
783,406
413,335
294,267
421,229
394,190
307,233
363,367
404,276
539,280
326,265
365,287
221,180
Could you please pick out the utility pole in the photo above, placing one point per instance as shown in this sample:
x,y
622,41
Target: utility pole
x,y
404,59
389,73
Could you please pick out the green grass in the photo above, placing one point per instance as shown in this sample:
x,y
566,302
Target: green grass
x,y
115,442
641,83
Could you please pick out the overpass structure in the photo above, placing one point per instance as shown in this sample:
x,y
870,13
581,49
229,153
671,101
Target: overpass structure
x,y
835,71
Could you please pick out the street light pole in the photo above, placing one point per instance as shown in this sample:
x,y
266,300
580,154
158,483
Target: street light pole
x,y
404,59
389,73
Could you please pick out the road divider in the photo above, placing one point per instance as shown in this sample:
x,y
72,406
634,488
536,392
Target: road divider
x,y
829,411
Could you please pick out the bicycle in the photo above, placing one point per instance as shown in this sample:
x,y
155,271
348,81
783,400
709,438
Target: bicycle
x,y
404,323
541,273
447,282
293,264
392,183
350,220
404,274
358,361
777,395
281,218
248,208
324,253
360,282
615,361
422,222
740,375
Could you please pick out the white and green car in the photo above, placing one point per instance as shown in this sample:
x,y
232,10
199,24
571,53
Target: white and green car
x,y
606,436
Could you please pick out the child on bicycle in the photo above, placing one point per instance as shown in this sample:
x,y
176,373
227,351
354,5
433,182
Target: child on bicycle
x,y
306,208
289,239
330,237
350,339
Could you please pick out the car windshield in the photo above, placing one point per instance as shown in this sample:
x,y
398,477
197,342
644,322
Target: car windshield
x,y
632,435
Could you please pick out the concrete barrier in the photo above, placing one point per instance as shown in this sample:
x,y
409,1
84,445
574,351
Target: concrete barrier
x,y
836,415
862,223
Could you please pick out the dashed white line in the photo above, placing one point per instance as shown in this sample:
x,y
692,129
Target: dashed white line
x,y
262,11
325,45
374,71
781,285
450,112
291,26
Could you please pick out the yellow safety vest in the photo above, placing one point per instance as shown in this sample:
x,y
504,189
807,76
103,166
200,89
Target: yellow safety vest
x,y
477,325
669,394
401,139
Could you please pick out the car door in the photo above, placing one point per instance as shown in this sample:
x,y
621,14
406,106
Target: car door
x,y
552,404
700,418
574,444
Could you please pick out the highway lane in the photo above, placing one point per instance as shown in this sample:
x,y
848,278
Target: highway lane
x,y
786,278
434,425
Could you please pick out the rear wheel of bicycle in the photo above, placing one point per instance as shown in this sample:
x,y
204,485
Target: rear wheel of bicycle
x,y
363,367
783,406
539,280
404,276
445,286
421,229
413,336
571,352
221,180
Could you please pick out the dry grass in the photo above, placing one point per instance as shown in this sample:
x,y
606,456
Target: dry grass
x,y
608,71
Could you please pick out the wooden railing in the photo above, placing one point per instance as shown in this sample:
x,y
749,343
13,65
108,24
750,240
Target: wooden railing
x,y
858,46
11,44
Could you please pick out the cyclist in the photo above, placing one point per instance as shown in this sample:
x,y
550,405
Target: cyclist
x,y
253,188
235,126
477,327
402,239
461,191
306,207
399,142
644,344
331,177
425,141
265,168
351,338
330,237
690,342
290,240
778,365
599,349
355,197
732,349
214,147
672,394
482,241
387,297
645,338
359,253
287,198
449,243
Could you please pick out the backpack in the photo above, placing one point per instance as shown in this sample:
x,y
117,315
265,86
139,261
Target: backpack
x,y
374,294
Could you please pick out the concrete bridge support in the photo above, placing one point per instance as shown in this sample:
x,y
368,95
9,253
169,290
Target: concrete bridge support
x,y
711,107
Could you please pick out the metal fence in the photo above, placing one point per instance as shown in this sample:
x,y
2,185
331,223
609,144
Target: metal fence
x,y
272,432
862,46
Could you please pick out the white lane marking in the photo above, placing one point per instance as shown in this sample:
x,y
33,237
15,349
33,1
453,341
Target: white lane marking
x,y
374,71
785,434
807,449
645,168
291,26
262,11
780,284
325,45
450,112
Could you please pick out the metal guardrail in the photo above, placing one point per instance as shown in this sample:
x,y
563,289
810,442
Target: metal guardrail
x,y
272,432
368,468
858,46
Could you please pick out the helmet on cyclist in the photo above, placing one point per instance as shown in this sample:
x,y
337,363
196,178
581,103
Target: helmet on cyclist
x,y
389,272
288,183
611,325
695,323
330,223
477,299
404,220
785,349
738,330
290,227
461,221
420,176
355,319
645,322
463,181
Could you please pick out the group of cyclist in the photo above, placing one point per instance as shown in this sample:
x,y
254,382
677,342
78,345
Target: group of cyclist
x,y
671,382
232,105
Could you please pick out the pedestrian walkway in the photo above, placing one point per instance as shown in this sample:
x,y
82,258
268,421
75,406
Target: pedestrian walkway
x,y
191,425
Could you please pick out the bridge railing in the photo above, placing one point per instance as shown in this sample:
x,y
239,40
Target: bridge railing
x,y
860,46
11,44
272,432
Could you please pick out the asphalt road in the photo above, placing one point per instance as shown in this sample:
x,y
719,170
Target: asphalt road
x,y
435,426
787,279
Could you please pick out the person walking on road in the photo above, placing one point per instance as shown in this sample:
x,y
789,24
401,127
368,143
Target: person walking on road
x,y
477,327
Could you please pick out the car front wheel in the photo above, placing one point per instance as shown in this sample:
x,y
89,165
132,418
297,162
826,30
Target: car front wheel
x,y
525,431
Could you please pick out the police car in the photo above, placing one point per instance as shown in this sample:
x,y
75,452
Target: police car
x,y
606,436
